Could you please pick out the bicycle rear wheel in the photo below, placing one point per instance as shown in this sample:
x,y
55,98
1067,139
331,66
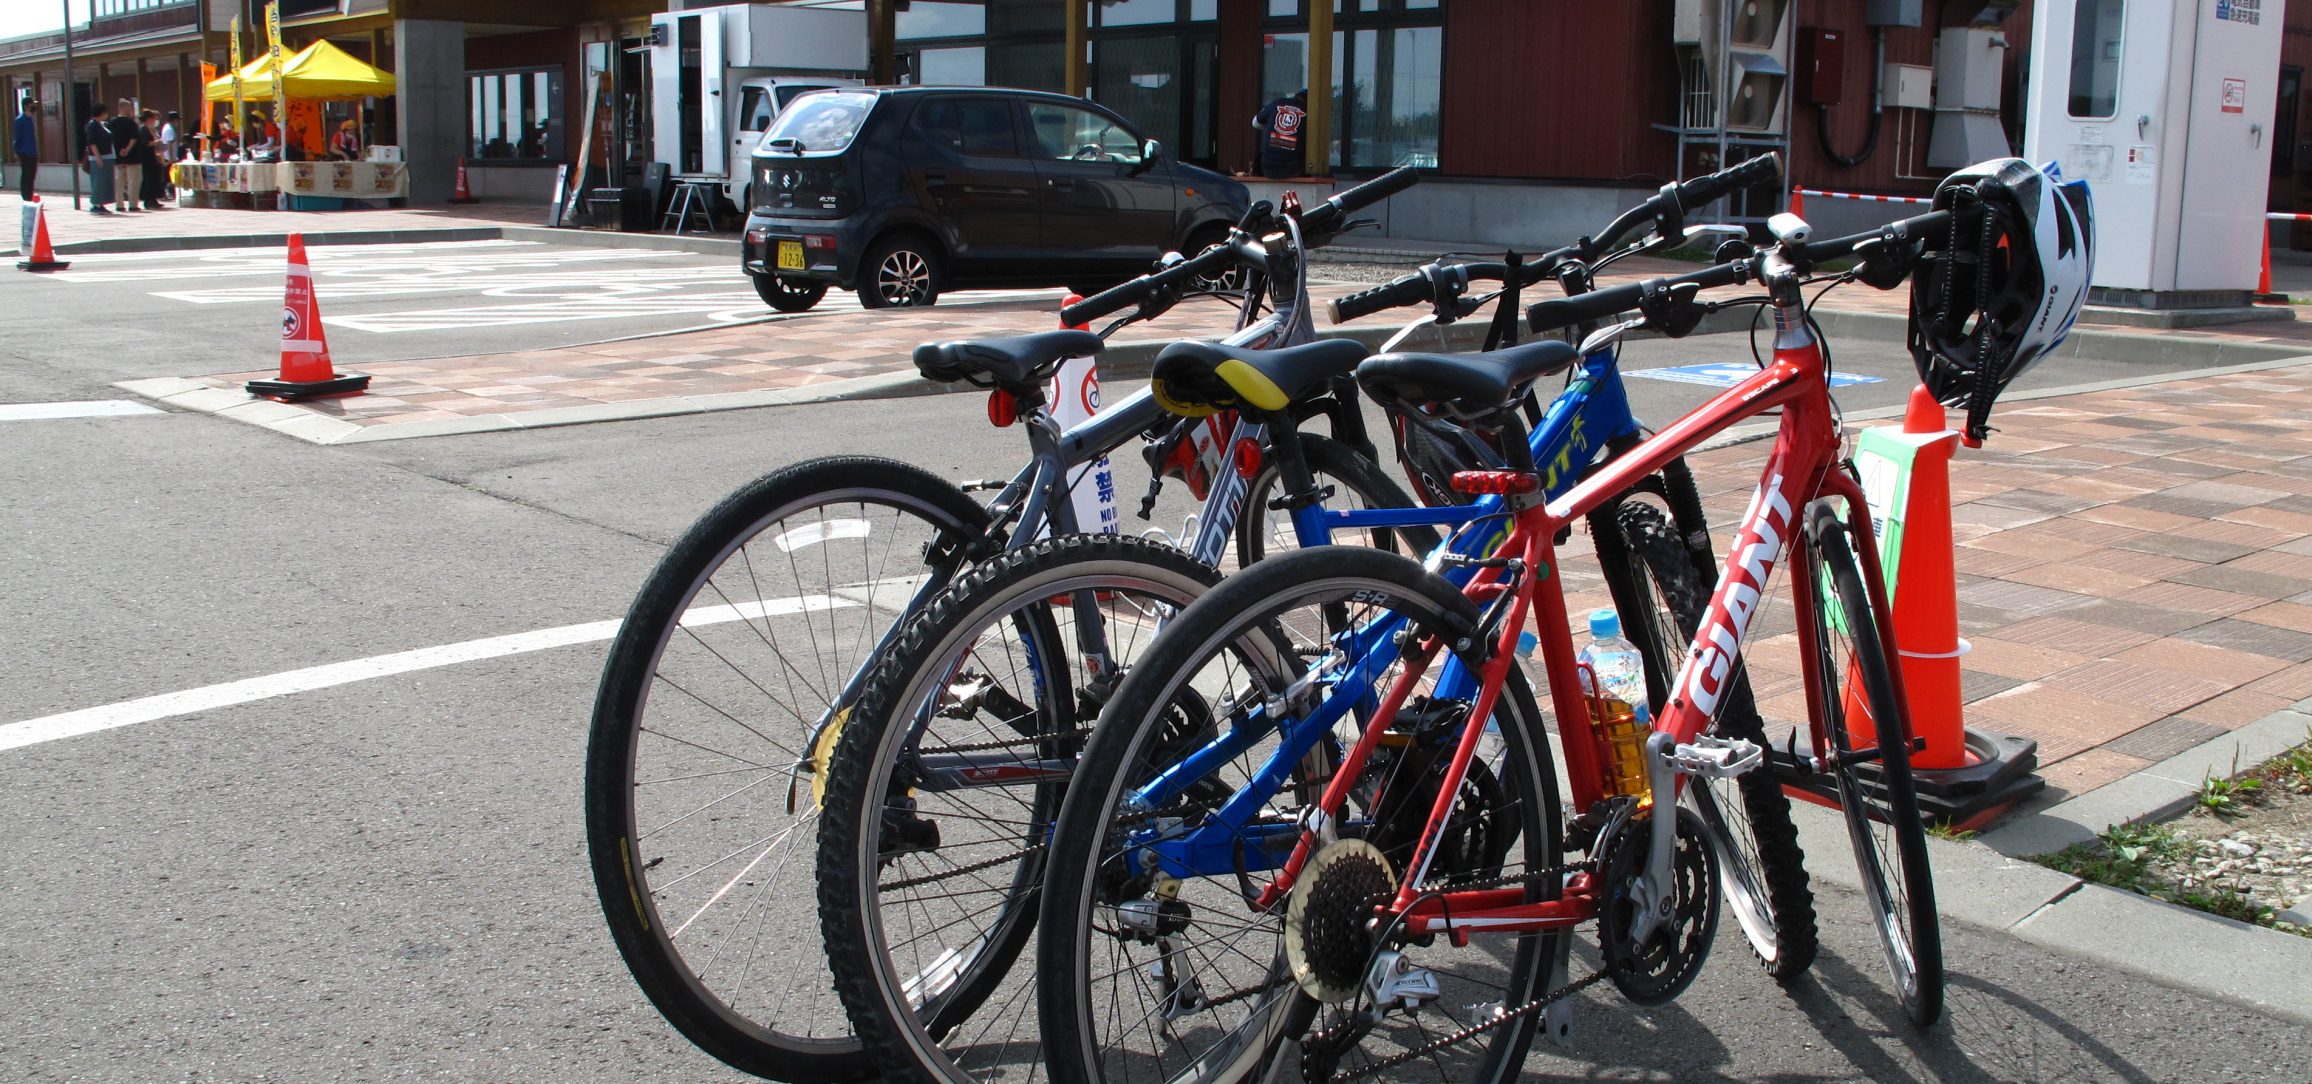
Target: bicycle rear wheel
x,y
1859,705
742,640
942,792
1147,977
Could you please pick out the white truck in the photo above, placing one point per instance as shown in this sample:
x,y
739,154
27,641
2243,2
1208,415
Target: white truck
x,y
720,73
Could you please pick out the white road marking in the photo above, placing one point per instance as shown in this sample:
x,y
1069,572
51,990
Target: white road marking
x,y
90,408
207,698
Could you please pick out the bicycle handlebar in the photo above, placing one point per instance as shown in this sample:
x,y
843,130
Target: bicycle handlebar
x,y
1558,313
1318,227
1670,204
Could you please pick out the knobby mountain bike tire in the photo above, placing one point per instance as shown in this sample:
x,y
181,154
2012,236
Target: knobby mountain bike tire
x,y
1359,483
738,643
1877,798
927,889
1236,1008
1661,593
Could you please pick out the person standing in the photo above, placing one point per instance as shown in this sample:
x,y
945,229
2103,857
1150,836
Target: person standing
x,y
151,165
127,174
97,153
25,140
172,151
1281,123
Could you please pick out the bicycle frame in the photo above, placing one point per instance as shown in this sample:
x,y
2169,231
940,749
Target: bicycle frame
x,y
1801,468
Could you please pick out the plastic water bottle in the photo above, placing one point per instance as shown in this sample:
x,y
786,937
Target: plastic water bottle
x,y
1617,700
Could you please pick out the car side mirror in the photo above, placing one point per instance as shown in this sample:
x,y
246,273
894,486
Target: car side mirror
x,y
1151,152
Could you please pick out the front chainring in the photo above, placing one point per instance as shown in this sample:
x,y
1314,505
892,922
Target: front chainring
x,y
1660,967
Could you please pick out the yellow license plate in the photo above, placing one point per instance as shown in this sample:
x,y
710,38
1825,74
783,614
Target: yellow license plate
x,y
790,255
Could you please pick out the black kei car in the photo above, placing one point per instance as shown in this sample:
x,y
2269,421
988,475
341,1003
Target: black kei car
x,y
900,193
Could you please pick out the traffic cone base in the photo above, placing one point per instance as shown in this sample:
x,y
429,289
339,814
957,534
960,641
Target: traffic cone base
x,y
42,257
305,369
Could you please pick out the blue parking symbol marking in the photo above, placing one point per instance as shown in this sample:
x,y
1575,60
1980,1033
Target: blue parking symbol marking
x,y
1726,376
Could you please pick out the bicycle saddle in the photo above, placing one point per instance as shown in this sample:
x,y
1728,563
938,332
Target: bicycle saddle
x,y
1199,378
1470,384
1004,363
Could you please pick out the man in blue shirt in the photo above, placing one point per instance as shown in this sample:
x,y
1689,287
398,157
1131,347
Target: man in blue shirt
x,y
26,143
1280,123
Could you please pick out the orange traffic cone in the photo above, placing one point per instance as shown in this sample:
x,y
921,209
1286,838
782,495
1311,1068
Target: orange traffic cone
x,y
463,194
1798,201
43,257
305,369
2264,278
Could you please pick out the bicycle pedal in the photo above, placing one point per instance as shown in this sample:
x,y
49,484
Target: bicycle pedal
x,y
1716,758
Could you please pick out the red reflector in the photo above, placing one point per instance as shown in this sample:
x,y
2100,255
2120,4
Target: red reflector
x,y
1494,481
818,240
758,236
1002,409
1247,458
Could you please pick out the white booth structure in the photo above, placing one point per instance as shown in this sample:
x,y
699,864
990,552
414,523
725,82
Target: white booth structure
x,y
2165,108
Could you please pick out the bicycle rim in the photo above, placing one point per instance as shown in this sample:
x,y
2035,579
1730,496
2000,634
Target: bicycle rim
x,y
1876,798
735,650
946,789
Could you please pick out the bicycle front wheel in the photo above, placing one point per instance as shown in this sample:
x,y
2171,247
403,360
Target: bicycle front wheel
x,y
1761,868
1861,711
1149,976
941,795
700,765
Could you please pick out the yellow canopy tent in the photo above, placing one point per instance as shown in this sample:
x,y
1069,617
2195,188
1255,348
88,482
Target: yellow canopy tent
x,y
319,72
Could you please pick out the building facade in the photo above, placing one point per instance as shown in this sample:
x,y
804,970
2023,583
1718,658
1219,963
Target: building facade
x,y
1531,116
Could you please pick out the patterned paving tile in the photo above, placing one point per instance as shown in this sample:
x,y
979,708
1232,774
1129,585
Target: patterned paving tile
x,y
2253,638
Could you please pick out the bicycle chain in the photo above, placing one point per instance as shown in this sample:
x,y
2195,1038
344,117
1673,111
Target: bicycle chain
x,y
1471,1032
1464,1035
1012,744
959,870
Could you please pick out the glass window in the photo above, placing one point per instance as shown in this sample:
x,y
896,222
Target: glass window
x,y
1136,12
1065,132
940,20
1203,11
1283,7
822,123
1138,77
1391,103
515,115
789,92
755,109
2095,57
1014,16
1029,67
964,66
981,128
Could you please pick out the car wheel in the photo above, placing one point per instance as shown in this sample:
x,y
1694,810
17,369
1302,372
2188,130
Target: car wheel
x,y
789,294
899,272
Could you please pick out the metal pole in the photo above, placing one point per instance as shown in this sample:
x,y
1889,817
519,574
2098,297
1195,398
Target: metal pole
x,y
71,141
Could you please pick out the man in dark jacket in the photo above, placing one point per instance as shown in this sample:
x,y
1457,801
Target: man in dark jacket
x,y
128,145
25,141
1280,123
97,154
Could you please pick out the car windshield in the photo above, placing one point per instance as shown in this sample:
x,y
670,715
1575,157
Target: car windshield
x,y
821,123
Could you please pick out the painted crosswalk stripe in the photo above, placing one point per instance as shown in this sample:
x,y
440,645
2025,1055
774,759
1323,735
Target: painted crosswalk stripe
x,y
90,408
208,698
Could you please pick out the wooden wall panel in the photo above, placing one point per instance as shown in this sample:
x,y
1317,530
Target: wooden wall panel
x,y
1543,88
1238,96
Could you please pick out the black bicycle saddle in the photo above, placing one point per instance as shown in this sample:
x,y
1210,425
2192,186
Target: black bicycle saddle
x,y
1199,378
1471,384
1004,363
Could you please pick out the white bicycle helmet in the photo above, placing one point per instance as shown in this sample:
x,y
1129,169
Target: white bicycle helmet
x,y
2003,288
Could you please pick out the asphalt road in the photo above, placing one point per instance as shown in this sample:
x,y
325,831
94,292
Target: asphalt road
x,y
386,879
